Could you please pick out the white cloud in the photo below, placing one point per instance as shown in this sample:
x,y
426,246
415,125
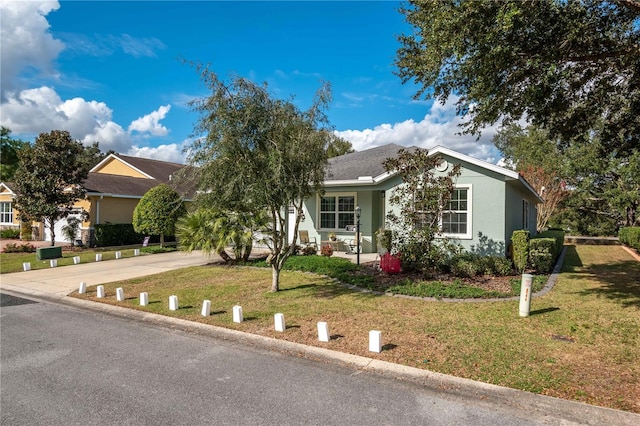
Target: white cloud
x,y
171,152
27,44
150,123
439,127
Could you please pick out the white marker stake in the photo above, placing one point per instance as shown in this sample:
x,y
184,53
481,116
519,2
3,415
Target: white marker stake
x,y
144,298
323,332
76,260
279,320
83,288
26,266
206,308
119,294
525,294
118,255
100,292
173,303
98,257
375,341
53,263
237,313
136,252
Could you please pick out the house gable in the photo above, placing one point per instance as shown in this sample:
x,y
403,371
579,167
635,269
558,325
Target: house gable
x,y
114,165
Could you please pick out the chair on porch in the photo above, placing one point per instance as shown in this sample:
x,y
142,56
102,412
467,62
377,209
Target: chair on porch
x,y
306,241
352,245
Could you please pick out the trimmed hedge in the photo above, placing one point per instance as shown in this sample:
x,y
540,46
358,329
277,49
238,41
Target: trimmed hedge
x,y
558,236
630,236
122,234
520,242
542,254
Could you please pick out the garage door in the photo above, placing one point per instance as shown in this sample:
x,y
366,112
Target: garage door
x,y
58,229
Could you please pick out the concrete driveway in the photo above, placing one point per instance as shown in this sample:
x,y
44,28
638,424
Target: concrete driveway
x,y
58,282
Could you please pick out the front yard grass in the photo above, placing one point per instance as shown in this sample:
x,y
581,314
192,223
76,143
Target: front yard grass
x,y
581,341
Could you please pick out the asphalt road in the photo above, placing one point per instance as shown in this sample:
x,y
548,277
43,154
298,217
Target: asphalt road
x,y
63,365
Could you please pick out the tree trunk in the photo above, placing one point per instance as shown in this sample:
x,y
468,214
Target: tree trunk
x,y
161,240
52,229
223,254
275,277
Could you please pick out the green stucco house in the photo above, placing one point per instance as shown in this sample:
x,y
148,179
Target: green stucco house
x,y
491,201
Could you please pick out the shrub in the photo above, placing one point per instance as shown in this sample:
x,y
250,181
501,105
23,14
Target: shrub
x,y
558,236
630,236
465,267
500,266
119,234
309,250
541,260
520,243
22,248
326,250
10,233
544,244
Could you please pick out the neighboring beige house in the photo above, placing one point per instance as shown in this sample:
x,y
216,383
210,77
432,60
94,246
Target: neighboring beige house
x,y
114,188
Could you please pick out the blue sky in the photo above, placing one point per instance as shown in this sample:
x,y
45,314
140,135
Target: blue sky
x,y
111,72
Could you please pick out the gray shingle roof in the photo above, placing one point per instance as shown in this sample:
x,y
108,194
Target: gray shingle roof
x,y
160,170
361,163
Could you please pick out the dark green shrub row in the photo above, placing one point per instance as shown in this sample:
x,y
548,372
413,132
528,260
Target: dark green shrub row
x,y
122,234
468,265
10,233
558,236
520,245
630,236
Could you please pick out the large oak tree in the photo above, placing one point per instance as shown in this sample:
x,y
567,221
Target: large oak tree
x,y
565,65
49,178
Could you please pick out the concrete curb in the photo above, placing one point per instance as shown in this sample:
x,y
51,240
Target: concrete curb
x,y
538,407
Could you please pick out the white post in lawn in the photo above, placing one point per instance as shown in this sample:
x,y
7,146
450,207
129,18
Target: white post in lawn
x,y
76,260
279,320
83,288
53,263
323,332
119,294
525,294
173,303
100,291
136,252
98,257
26,266
237,313
118,255
144,298
206,308
375,341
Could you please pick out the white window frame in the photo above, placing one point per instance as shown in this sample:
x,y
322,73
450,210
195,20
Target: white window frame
x,y
3,213
336,195
469,234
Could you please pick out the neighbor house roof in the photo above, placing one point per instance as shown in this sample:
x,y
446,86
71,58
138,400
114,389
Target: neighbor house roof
x,y
367,167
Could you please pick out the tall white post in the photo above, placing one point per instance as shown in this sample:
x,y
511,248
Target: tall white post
x,y
26,266
119,294
118,255
375,341
206,308
100,291
98,257
53,263
279,322
525,294
144,298
323,332
83,288
173,303
237,313
76,260
136,252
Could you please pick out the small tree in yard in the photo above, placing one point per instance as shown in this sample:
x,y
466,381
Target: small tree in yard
x,y
158,211
255,154
49,178
422,200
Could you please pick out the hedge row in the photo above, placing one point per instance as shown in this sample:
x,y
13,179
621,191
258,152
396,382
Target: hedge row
x,y
539,253
630,236
122,234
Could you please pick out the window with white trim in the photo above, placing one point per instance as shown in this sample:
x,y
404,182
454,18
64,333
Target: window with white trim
x,y
456,217
337,211
6,212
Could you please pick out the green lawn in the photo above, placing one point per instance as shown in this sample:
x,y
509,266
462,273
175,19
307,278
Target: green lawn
x,y
581,341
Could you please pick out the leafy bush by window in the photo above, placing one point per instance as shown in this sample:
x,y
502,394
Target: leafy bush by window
x,y
520,243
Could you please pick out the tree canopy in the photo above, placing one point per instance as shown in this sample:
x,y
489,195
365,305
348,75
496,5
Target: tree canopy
x,y
569,66
256,153
9,154
49,178
158,211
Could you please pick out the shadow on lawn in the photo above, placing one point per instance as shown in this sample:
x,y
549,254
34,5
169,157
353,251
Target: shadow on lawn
x,y
619,281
